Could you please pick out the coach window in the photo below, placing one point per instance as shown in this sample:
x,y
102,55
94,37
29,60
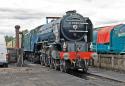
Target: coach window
x,y
122,31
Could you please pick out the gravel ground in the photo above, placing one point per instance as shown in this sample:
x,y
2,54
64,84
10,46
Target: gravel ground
x,y
36,75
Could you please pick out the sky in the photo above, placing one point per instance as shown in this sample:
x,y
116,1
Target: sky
x,y
31,13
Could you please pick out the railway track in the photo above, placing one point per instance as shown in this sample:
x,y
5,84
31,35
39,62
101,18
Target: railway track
x,y
88,76
106,77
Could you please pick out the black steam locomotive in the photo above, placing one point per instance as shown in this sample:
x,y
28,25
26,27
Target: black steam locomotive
x,y
62,43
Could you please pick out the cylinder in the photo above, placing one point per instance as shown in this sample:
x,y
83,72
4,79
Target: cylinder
x,y
17,27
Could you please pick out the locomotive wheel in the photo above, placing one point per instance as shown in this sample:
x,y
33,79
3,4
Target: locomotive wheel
x,y
36,59
56,67
32,58
63,66
46,61
41,60
42,63
51,64
46,64
85,70
86,63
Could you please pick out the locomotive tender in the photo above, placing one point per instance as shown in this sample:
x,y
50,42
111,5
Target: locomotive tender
x,y
62,44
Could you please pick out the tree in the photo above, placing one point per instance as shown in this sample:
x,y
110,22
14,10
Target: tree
x,y
8,38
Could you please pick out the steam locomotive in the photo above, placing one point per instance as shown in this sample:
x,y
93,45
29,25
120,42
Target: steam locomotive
x,y
63,43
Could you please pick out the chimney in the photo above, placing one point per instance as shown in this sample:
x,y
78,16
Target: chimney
x,y
17,27
70,12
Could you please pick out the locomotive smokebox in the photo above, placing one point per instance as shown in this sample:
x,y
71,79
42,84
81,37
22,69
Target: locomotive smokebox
x,y
17,27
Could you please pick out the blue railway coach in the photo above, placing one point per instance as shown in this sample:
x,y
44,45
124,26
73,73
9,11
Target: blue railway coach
x,y
109,39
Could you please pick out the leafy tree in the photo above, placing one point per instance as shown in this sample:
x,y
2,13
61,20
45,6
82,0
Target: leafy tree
x,y
8,38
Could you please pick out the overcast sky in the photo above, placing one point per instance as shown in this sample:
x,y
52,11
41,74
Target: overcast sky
x,y
31,13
